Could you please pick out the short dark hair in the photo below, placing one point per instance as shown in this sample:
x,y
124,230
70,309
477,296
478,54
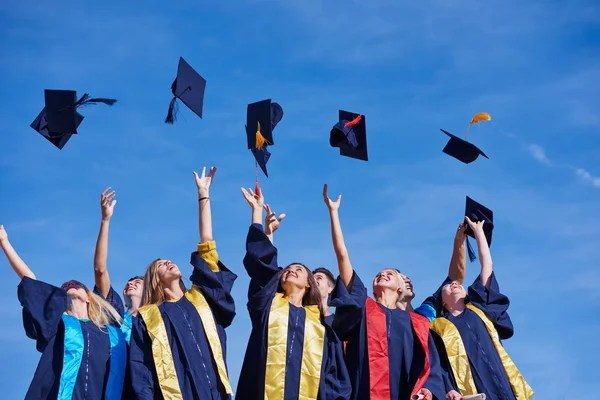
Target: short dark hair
x,y
141,278
327,273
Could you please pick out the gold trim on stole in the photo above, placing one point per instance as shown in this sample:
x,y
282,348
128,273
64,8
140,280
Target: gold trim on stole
x,y
459,360
276,348
520,387
161,352
457,355
195,296
312,352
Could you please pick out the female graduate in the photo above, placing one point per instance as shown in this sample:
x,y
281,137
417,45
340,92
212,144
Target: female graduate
x,y
292,354
471,329
390,352
178,341
83,355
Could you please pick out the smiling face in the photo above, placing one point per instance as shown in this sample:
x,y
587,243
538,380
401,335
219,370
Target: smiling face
x,y
408,290
295,275
76,290
451,293
167,272
134,287
324,284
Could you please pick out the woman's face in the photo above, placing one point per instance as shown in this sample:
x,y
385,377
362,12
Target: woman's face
x,y
294,275
76,290
452,292
167,272
386,279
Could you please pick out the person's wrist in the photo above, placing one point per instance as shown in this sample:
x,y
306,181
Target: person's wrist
x,y
202,193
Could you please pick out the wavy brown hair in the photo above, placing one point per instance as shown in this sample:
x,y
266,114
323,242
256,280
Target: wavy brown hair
x,y
153,291
312,296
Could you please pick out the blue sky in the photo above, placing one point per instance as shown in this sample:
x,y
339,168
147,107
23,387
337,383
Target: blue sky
x,y
410,68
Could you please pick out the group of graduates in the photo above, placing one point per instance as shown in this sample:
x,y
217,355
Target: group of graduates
x,y
168,341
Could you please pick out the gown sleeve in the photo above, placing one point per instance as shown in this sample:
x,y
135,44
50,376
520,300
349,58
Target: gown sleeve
x,y
141,363
113,299
260,262
349,306
215,281
494,304
43,307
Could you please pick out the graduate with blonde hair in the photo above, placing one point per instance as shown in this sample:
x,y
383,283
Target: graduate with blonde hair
x,y
84,353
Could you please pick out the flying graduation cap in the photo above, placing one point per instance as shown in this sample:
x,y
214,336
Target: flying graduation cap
x,y
461,149
189,87
261,119
477,212
59,119
350,135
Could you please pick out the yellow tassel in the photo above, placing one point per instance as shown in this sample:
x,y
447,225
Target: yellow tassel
x,y
260,139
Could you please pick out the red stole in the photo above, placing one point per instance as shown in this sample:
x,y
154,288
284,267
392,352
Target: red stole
x,y
377,349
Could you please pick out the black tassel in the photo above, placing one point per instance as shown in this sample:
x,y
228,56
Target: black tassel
x,y
85,99
172,114
472,256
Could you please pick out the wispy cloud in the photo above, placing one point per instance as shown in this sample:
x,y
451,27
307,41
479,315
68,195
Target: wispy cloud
x,y
538,153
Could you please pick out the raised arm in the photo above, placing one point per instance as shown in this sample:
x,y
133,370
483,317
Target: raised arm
x,y
101,277
458,263
485,257
339,246
204,213
17,264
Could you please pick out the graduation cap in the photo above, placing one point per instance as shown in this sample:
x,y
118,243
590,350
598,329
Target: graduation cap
x,y
350,135
461,149
189,87
59,119
261,119
477,212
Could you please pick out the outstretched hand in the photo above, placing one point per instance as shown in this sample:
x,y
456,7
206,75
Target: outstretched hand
x,y
203,182
3,234
476,227
272,221
332,205
107,203
256,201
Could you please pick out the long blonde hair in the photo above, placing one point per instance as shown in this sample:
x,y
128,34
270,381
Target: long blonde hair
x,y
153,291
100,312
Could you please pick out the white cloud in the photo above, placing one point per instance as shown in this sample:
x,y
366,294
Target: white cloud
x,y
538,153
588,177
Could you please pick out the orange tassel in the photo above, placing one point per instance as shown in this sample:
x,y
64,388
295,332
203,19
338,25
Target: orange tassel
x,y
353,122
260,139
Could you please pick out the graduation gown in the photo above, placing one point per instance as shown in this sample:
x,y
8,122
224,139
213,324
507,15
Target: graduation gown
x,y
178,349
402,360
481,367
79,360
115,300
292,353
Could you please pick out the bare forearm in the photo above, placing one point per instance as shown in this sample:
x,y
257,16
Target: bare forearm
x,y
101,253
339,246
205,217
257,215
485,258
458,264
17,264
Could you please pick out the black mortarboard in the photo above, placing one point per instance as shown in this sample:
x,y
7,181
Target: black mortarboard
x,y
59,119
189,87
461,149
262,156
268,115
350,135
477,212
40,124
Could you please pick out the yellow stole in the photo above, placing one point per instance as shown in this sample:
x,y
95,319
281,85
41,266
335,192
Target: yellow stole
x,y
161,349
312,353
459,360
